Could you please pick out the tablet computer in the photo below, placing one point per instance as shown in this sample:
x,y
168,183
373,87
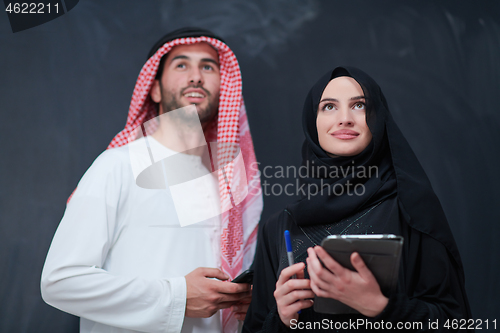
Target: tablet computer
x,y
381,254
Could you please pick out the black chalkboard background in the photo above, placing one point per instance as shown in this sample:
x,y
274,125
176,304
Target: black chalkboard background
x,y
65,87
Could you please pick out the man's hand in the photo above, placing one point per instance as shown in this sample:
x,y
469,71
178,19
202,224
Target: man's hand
x,y
291,294
359,290
240,309
206,296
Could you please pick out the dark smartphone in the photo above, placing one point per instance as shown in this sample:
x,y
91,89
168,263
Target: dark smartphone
x,y
245,277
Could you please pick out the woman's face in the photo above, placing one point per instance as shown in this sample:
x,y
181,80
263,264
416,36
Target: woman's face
x,y
341,119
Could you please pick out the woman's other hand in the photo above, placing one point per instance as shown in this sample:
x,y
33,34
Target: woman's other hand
x,y
291,294
359,290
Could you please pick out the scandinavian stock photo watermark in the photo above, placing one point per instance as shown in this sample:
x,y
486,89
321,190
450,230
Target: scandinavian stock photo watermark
x,y
203,180
367,324
272,178
206,179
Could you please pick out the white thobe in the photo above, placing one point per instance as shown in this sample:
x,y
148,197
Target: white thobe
x,y
119,256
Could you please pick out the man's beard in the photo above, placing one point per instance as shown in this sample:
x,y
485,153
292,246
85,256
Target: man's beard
x,y
205,115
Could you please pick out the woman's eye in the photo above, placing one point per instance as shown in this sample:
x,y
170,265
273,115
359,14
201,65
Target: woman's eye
x,y
359,106
328,107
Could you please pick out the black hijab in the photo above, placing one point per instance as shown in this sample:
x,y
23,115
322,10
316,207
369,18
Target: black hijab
x,y
399,171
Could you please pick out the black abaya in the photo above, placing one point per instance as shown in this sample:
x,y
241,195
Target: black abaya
x,y
399,200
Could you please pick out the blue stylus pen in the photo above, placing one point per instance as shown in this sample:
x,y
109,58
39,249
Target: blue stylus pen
x,y
289,253
289,250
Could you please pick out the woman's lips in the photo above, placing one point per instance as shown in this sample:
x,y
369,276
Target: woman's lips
x,y
345,134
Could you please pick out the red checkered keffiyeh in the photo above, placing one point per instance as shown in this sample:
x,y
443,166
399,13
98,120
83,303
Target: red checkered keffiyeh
x,y
239,224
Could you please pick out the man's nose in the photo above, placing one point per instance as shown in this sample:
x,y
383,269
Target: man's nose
x,y
196,77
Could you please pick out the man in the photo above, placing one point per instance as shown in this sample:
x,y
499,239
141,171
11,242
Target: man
x,y
129,255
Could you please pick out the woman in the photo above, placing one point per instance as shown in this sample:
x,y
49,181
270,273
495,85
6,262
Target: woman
x,y
363,178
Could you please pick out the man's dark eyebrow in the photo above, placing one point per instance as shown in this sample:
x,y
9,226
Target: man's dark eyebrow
x,y
210,60
186,57
179,57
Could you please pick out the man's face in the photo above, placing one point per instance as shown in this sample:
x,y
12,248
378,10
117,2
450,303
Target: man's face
x,y
190,76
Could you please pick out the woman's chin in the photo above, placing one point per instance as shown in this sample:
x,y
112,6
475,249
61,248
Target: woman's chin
x,y
343,152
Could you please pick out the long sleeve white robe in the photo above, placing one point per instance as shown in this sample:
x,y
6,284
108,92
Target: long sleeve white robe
x,y
119,256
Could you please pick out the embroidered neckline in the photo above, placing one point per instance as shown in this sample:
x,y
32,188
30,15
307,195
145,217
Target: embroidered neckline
x,y
342,232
